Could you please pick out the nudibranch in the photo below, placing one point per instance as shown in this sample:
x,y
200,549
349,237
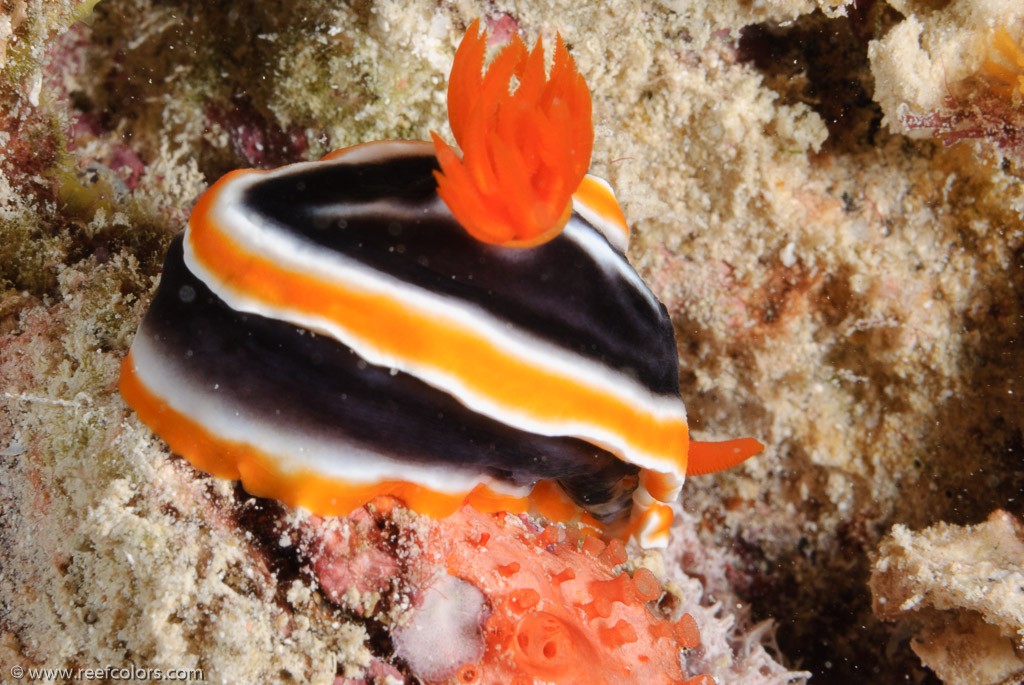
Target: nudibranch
x,y
395,320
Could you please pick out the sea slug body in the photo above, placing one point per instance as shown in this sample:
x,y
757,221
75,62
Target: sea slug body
x,y
390,320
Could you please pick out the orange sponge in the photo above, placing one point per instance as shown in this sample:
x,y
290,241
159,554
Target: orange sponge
x,y
561,609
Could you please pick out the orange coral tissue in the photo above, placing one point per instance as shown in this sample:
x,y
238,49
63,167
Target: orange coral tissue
x,y
526,144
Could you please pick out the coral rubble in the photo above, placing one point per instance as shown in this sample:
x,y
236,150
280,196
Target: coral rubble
x,y
962,588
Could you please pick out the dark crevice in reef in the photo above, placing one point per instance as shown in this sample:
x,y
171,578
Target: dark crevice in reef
x,y
830,629
822,62
978,433
265,521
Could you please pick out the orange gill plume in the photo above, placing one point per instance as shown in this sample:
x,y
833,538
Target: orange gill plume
x,y
525,149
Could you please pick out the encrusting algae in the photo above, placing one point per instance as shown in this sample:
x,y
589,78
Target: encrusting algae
x,y
978,88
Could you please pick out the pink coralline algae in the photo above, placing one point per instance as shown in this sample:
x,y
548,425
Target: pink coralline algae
x,y
253,137
351,559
